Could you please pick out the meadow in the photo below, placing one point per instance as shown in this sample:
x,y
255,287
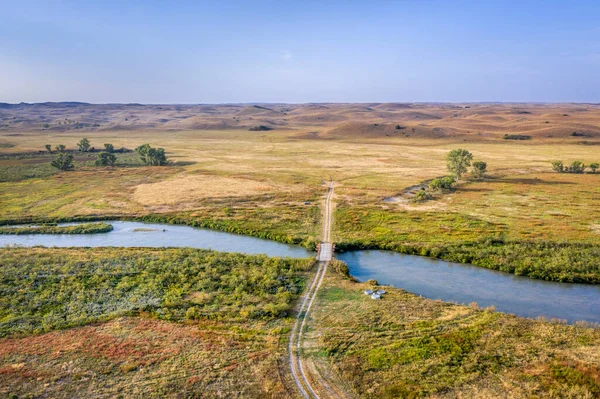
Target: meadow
x,y
136,322
149,322
406,346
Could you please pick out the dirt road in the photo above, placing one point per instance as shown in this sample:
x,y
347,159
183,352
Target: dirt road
x,y
304,384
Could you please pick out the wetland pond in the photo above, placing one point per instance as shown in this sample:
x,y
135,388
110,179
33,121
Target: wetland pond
x,y
431,278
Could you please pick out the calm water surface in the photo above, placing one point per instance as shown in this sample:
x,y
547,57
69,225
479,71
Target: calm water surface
x,y
456,282
152,235
430,278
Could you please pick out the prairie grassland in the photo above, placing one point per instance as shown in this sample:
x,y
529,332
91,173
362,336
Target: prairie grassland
x,y
145,322
407,346
258,182
138,357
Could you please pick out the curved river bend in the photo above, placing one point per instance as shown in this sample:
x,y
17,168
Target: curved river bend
x,y
138,234
430,278
461,283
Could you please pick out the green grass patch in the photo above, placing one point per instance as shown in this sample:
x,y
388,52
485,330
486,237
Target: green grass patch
x,y
85,228
45,289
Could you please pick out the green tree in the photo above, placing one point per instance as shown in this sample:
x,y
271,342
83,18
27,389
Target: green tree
x,y
152,156
479,168
109,148
63,161
457,162
594,166
106,159
577,167
60,148
84,145
48,148
442,183
558,166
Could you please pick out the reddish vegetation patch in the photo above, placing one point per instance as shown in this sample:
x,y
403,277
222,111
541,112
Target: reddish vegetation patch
x,y
131,356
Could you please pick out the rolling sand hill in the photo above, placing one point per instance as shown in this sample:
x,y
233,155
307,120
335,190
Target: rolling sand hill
x,y
558,122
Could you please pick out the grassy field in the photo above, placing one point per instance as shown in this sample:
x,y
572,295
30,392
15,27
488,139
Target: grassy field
x,y
140,322
144,322
406,346
52,228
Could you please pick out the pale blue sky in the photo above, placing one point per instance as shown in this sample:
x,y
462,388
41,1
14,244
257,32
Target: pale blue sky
x,y
307,51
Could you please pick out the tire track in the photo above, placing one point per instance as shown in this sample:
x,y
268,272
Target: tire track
x,y
300,378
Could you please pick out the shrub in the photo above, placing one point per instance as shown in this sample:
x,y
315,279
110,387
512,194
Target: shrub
x,y
152,156
260,128
63,161
422,195
106,159
516,137
84,145
442,183
577,167
479,169
594,166
558,166
109,148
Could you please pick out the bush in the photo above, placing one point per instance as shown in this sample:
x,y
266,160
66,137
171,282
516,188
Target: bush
x,y
260,128
594,166
84,145
516,137
63,161
442,183
558,166
106,159
479,169
576,167
422,195
152,156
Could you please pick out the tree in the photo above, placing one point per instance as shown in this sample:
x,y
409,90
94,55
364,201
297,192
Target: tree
x,y
558,166
442,183
106,159
48,148
63,161
457,162
60,148
479,168
577,167
594,166
109,148
84,145
152,156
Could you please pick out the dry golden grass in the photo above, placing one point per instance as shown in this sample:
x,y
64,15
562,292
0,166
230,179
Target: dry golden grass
x,y
190,188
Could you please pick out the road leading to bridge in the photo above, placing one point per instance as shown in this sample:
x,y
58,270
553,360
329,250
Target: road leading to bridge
x,y
325,255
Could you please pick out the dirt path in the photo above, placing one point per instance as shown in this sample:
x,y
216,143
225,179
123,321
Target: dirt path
x,y
307,387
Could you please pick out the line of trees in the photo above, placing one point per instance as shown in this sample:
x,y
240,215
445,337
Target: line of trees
x,y
64,160
574,167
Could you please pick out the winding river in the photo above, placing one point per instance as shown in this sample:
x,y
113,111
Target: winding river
x,y
435,279
138,234
462,283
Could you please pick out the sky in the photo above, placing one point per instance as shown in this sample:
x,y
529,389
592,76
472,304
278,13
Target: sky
x,y
288,51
